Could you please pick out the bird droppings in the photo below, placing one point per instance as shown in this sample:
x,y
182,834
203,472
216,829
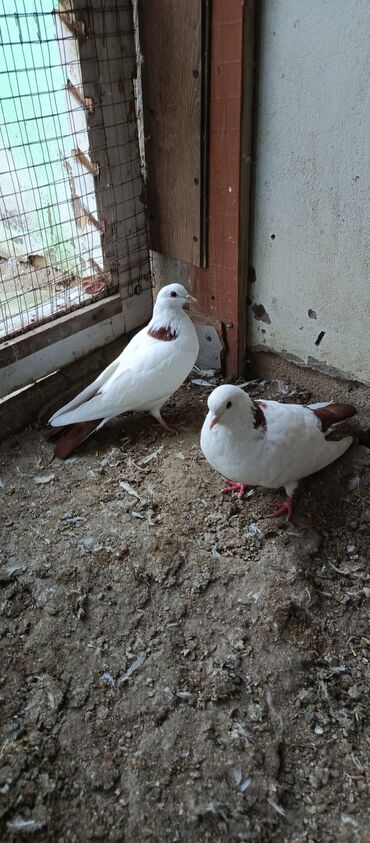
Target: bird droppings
x,y
284,389
108,679
202,382
206,373
43,479
355,482
152,456
278,808
320,337
243,785
254,530
123,484
312,314
177,644
24,825
260,313
256,382
133,667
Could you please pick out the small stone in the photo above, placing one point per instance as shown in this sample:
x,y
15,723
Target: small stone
x,y
102,712
315,780
354,692
35,738
6,775
79,696
103,775
309,715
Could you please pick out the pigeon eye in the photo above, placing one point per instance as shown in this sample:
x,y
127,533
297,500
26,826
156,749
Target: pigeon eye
x,y
228,405
173,294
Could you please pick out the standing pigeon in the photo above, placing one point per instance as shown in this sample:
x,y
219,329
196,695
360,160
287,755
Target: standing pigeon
x,y
265,443
150,368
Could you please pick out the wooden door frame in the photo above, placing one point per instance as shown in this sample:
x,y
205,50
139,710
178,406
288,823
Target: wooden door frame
x,y
221,287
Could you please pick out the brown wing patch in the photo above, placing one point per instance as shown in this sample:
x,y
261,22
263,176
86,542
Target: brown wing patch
x,y
259,416
333,414
164,334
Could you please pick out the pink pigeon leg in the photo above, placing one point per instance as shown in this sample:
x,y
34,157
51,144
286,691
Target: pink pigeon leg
x,y
285,508
170,428
235,487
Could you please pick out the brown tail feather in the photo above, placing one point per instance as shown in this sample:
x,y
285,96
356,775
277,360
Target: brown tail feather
x,y
54,432
70,436
333,413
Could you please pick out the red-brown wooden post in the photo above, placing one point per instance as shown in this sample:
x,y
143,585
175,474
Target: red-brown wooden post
x,y
221,288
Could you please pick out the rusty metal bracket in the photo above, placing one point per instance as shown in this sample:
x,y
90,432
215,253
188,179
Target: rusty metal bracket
x,y
85,161
76,27
100,224
86,102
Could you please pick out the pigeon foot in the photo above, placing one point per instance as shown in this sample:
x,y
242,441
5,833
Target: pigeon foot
x,y
174,428
285,508
235,487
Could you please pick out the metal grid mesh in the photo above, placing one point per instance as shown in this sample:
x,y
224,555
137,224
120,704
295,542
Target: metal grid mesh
x,y
72,222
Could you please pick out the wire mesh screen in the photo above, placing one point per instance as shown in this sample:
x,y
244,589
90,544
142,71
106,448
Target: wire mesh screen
x,y
72,222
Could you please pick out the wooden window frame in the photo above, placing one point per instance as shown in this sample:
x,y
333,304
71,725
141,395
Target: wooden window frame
x,y
46,348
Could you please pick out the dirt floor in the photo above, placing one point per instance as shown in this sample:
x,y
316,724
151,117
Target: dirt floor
x,y
175,665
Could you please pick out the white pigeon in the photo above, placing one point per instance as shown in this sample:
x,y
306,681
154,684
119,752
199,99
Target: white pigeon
x,y
144,376
265,443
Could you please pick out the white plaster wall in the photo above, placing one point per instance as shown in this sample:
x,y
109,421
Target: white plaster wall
x,y
312,186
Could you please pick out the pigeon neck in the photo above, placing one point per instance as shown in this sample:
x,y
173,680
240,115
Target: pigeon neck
x,y
259,422
251,421
166,319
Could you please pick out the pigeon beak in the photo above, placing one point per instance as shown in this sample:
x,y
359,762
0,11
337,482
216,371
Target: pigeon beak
x,y
188,300
214,421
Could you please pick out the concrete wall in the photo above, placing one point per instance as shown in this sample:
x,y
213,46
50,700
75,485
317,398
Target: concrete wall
x,y
311,236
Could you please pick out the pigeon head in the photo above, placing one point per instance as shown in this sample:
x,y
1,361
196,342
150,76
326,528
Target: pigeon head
x,y
227,404
173,297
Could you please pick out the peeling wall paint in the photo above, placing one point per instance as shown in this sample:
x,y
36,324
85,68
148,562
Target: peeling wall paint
x,y
312,201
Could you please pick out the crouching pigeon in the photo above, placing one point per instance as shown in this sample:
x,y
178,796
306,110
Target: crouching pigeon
x,y
265,443
144,376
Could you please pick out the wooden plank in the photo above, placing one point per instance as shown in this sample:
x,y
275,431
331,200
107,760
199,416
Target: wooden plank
x,y
171,44
222,287
108,68
53,357
38,401
38,338
245,180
